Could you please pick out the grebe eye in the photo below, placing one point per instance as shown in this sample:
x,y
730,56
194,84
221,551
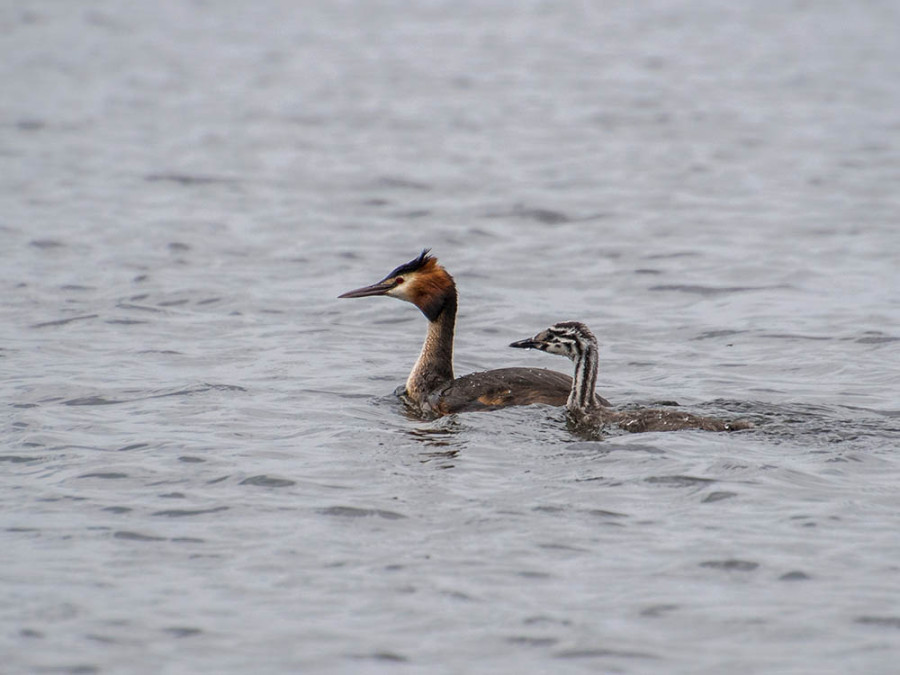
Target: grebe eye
x,y
398,281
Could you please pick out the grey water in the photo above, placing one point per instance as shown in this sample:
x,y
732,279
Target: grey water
x,y
203,467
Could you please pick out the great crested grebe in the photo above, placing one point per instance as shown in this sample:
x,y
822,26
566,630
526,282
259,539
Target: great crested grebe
x,y
431,387
575,340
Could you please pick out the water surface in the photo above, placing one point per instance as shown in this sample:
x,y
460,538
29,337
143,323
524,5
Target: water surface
x,y
203,467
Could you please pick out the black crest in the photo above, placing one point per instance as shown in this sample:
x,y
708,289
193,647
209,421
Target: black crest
x,y
413,265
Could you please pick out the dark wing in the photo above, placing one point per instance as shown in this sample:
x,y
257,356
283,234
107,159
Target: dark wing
x,y
505,387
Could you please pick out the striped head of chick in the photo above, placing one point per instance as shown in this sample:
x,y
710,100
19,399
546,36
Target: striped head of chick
x,y
566,338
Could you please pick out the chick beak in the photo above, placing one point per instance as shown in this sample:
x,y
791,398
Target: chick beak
x,y
525,344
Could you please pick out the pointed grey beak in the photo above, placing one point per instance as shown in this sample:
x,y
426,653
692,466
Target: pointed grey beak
x,y
380,288
525,344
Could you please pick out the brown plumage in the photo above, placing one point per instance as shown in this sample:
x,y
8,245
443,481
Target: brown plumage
x,y
431,387
492,389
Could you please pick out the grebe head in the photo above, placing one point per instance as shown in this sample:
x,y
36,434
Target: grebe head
x,y
567,338
421,281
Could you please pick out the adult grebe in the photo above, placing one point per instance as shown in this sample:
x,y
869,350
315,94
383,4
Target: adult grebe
x,y
575,340
431,387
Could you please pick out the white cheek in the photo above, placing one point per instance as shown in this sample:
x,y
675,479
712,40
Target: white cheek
x,y
399,292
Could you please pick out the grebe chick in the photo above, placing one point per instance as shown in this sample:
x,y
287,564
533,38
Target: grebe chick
x,y
431,386
575,340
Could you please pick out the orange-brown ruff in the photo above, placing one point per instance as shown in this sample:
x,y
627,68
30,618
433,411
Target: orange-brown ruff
x,y
575,341
431,387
